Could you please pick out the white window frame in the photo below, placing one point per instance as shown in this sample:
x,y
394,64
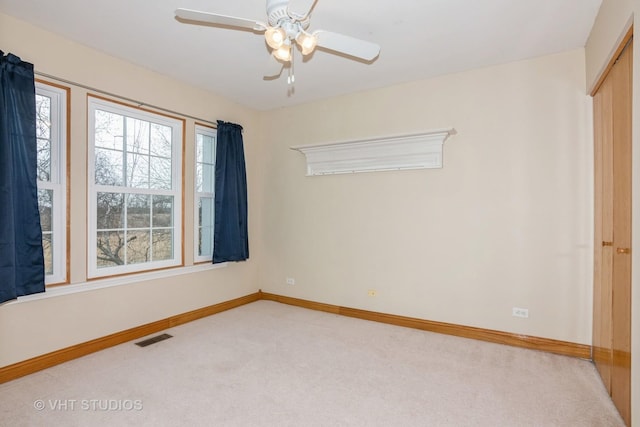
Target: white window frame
x,y
58,179
210,132
177,126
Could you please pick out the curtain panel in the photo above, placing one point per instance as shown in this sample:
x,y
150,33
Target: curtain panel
x,y
21,255
230,235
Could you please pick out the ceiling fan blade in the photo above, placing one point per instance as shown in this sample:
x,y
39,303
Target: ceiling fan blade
x,y
217,19
348,45
300,9
273,68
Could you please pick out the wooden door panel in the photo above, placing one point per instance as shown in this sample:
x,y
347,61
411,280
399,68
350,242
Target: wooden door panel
x,y
621,284
603,218
612,106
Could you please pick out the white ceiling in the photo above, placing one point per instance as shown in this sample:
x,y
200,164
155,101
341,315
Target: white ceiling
x,y
418,39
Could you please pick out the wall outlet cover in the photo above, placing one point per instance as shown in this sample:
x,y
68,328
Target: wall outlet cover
x,y
520,312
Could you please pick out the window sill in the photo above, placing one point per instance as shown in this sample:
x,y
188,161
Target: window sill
x,y
116,281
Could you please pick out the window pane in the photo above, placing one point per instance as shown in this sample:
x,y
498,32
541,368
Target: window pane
x,y
109,130
43,134
45,206
110,210
160,140
43,116
208,149
110,248
138,211
137,170
199,142
199,178
47,248
108,167
205,223
137,136
205,165
160,173
44,159
205,212
208,174
138,247
205,242
162,211
162,244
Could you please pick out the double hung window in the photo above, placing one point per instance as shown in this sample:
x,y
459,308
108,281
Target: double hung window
x,y
135,185
204,200
51,136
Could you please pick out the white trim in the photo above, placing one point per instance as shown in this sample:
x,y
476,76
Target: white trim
x,y
93,285
416,151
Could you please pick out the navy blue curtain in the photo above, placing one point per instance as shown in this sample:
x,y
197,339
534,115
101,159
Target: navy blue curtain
x,y
21,257
230,237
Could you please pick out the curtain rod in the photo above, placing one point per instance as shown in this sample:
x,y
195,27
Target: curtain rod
x,y
133,101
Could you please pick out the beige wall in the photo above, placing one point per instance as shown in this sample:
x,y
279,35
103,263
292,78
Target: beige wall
x,y
33,327
507,222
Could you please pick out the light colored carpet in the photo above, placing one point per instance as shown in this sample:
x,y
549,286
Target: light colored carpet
x,y
269,364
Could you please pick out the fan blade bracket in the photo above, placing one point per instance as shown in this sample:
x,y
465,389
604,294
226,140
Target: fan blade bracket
x,y
260,26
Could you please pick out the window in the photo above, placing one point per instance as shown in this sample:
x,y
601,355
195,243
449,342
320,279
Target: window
x,y
135,184
51,134
204,185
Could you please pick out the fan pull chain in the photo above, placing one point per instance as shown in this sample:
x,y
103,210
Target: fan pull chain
x,y
291,78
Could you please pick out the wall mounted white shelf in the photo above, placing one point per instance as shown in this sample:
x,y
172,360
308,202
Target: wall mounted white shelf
x,y
416,151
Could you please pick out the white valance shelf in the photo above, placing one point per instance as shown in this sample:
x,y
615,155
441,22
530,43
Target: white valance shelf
x,y
416,151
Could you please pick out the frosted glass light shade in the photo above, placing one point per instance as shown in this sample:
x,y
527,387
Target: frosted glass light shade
x,y
283,53
307,42
274,37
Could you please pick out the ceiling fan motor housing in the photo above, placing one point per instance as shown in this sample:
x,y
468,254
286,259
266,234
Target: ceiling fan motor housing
x,y
277,12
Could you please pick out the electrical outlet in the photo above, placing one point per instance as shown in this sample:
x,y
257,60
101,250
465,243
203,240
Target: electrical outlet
x,y
291,281
520,312
373,292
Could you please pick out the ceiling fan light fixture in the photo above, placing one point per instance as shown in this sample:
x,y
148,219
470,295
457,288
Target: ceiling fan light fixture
x,y
283,53
275,37
284,29
307,42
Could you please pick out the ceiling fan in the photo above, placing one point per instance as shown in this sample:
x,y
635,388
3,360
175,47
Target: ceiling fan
x,y
288,21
